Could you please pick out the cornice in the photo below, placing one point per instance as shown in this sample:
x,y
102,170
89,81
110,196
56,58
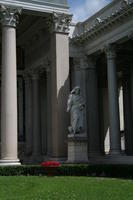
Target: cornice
x,y
36,6
102,25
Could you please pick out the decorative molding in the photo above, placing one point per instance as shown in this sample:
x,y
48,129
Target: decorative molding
x,y
130,35
36,6
102,25
59,22
9,15
91,62
84,62
26,77
98,20
76,64
124,3
34,74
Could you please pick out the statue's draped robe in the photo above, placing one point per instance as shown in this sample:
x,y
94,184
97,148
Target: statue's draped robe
x,y
75,106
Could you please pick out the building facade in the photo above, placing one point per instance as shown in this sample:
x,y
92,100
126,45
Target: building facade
x,y
41,64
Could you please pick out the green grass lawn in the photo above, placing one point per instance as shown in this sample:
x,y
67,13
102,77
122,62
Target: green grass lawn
x,y
64,188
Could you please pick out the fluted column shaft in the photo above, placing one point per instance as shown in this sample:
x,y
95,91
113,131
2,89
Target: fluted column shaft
x,y
115,145
92,110
9,88
28,114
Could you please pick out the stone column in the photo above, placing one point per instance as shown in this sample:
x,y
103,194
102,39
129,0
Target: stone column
x,y
36,146
92,110
59,84
9,87
20,110
49,106
28,114
115,145
43,112
77,72
83,85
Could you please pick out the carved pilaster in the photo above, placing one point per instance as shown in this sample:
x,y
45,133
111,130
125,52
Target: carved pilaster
x,y
59,22
9,15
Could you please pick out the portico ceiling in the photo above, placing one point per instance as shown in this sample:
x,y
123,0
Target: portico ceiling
x,y
29,27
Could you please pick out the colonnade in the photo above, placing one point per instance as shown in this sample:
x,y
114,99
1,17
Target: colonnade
x,y
92,100
57,91
33,114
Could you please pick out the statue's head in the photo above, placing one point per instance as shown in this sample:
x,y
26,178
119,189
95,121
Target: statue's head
x,y
76,90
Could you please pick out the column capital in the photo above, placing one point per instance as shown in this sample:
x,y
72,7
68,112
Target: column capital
x,y
48,69
130,34
91,62
34,74
76,64
110,51
26,77
84,62
59,22
9,15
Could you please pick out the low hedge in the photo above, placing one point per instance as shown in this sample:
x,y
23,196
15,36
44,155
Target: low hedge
x,y
118,171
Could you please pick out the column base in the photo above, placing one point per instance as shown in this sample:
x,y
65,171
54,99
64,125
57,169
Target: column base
x,y
115,153
58,159
94,154
77,148
9,162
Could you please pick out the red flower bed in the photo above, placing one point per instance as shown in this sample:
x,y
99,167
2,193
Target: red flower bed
x,y
50,167
50,164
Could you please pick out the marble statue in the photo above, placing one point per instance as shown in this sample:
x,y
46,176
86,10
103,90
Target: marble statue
x,y
75,106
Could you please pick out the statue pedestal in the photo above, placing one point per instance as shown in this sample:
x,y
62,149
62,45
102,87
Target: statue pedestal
x,y
77,148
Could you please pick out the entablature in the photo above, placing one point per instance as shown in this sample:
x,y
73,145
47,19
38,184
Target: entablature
x,y
42,6
101,25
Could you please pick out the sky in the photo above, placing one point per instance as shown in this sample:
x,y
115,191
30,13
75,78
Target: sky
x,y
82,9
